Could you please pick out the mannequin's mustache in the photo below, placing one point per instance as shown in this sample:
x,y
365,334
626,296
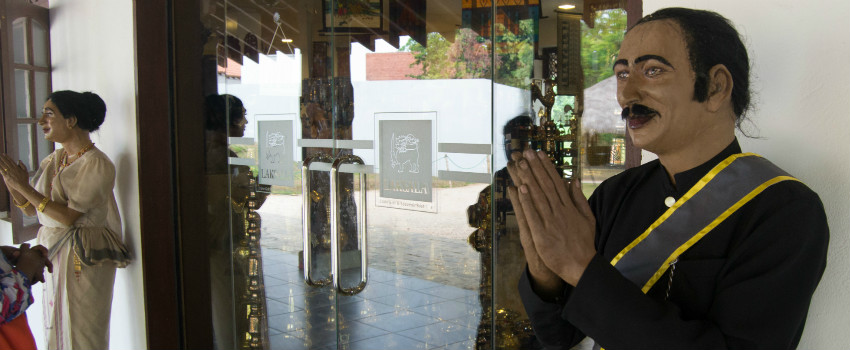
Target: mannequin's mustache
x,y
637,110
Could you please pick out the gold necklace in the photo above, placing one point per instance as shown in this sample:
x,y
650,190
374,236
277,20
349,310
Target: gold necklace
x,y
79,154
63,163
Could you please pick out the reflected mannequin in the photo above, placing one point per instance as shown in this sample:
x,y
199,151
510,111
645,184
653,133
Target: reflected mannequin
x,y
513,330
236,281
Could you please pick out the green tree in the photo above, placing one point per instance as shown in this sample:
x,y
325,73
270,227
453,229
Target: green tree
x,y
600,45
432,58
515,55
469,56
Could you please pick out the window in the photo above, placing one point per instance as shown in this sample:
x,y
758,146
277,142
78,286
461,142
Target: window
x,y
25,84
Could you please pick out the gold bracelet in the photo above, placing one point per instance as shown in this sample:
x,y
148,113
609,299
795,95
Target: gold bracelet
x,y
43,204
22,206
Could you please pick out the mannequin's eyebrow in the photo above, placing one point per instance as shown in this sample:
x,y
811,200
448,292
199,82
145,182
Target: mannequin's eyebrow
x,y
640,59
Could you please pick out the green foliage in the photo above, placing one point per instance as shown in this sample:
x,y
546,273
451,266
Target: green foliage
x,y
515,54
239,150
432,58
561,101
469,56
600,45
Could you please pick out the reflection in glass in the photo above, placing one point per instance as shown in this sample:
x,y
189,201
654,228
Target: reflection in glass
x,y
604,132
423,276
22,96
39,44
237,287
25,136
19,40
240,62
504,323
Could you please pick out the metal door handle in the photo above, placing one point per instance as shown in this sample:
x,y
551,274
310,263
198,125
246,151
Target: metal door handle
x,y
306,219
336,272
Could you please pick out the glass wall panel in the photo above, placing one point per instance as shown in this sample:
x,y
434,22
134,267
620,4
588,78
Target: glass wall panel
x,y
522,118
355,156
603,130
555,69
394,155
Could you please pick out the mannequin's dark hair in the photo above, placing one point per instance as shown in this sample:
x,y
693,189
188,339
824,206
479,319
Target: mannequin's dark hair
x,y
518,121
711,39
87,107
512,127
218,108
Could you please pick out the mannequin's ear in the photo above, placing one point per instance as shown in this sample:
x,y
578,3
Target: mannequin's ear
x,y
71,122
719,87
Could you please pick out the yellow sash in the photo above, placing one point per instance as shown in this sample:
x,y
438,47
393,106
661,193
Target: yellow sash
x,y
726,188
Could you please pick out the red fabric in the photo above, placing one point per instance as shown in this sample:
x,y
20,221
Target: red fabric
x,y
16,335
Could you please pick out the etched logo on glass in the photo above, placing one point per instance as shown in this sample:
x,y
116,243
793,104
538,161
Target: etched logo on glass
x,y
405,153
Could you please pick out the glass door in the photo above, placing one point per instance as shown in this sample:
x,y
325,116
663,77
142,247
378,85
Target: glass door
x,y
355,168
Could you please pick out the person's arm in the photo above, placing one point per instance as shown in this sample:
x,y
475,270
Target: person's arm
x,y
57,211
544,311
756,295
759,300
541,290
15,282
17,198
550,328
16,178
21,202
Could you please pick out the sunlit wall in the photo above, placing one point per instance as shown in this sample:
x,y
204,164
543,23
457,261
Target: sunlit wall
x,y
799,55
92,49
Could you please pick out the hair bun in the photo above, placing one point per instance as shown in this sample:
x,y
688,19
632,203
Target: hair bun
x,y
92,110
87,107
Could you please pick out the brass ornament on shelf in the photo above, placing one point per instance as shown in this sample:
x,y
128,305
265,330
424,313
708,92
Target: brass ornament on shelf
x,y
254,336
503,324
559,139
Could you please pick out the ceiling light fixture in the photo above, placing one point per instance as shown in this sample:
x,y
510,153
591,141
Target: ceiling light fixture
x,y
285,40
567,7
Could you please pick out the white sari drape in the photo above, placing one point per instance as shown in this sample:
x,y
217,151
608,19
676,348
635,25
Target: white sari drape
x,y
78,294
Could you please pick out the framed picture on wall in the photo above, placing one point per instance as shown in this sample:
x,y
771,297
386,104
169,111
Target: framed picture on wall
x,y
353,16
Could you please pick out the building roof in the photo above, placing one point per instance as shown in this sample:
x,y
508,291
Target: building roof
x,y
233,69
391,66
601,109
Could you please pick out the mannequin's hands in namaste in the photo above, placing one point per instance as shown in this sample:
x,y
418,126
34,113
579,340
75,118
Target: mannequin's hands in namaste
x,y
556,224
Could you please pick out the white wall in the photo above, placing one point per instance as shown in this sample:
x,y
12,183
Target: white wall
x,y
799,52
92,48
459,120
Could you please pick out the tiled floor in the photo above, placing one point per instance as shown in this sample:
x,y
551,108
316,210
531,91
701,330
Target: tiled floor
x,y
393,312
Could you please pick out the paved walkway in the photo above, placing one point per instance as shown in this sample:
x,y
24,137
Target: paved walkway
x,y
429,246
393,312
423,281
